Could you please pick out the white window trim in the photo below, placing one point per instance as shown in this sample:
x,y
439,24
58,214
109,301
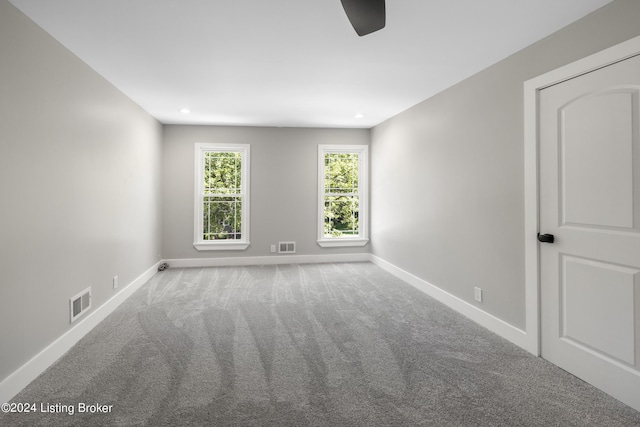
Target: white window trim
x,y
363,194
221,245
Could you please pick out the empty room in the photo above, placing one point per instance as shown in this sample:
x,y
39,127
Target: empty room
x,y
323,213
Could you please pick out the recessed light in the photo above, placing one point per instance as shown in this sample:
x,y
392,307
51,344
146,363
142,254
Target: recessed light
x,y
359,116
185,110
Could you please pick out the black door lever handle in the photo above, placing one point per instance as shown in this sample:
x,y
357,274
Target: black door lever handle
x,y
545,238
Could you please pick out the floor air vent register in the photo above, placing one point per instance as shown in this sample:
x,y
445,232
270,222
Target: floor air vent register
x,y
80,304
287,247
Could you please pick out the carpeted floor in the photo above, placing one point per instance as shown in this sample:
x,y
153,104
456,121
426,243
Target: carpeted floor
x,y
298,345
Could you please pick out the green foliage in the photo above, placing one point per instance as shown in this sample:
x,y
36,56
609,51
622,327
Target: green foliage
x,y
222,199
222,173
341,203
222,195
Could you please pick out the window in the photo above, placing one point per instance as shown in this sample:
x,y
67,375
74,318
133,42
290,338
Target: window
x,y
222,197
342,195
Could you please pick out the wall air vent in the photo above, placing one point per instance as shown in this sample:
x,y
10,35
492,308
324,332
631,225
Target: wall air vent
x,y
80,304
286,247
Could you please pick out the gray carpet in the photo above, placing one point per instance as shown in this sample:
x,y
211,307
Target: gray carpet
x,y
297,345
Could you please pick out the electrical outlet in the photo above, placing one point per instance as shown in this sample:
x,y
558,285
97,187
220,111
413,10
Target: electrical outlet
x,y
273,249
477,294
115,282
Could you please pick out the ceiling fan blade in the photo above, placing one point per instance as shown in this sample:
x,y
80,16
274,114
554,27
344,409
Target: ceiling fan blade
x,y
366,16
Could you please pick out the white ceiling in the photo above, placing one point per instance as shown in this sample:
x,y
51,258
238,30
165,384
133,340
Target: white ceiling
x,y
292,62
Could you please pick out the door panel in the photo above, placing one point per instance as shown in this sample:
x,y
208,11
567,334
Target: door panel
x,y
597,141
590,201
597,298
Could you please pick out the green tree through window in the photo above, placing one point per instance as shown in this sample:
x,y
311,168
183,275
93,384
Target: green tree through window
x,y
341,200
221,214
222,204
342,195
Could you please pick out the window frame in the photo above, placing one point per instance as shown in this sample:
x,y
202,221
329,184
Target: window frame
x,y
363,195
223,244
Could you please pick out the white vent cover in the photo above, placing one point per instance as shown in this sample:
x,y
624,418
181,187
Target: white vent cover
x,y
286,247
80,304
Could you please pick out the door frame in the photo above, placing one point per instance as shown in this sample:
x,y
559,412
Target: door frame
x,y
532,90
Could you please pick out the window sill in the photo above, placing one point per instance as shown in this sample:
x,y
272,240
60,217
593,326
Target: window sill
x,y
221,246
338,242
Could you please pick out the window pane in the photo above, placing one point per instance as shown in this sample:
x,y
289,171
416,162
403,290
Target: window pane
x,y
222,218
341,173
222,173
341,216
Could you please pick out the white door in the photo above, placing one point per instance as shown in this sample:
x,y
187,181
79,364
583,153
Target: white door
x,y
590,203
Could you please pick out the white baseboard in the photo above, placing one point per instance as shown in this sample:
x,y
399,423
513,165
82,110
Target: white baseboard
x,y
266,260
19,379
495,325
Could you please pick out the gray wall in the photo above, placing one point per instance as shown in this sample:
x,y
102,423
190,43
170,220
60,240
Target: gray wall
x,y
284,176
447,174
79,188
83,172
